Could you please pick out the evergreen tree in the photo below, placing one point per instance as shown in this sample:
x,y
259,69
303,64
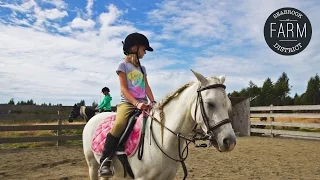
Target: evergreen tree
x,y
253,92
11,101
94,104
282,89
82,103
297,99
313,91
30,102
267,96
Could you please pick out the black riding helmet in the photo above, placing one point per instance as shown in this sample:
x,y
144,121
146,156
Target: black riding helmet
x,y
105,89
135,39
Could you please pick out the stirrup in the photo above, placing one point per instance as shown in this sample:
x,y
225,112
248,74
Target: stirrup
x,y
106,171
105,161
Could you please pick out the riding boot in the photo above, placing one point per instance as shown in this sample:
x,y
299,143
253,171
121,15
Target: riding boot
x,y
106,169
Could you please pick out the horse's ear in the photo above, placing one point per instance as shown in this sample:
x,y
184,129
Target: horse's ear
x,y
222,78
75,105
200,77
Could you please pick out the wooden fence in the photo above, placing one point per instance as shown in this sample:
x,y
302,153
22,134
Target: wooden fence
x,y
25,113
56,128
33,112
274,112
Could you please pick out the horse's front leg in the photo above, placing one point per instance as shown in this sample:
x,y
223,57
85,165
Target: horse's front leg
x,y
92,163
93,170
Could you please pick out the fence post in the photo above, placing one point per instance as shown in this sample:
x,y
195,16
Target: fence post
x,y
59,128
271,120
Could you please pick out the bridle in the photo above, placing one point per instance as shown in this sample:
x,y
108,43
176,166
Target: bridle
x,y
203,112
208,136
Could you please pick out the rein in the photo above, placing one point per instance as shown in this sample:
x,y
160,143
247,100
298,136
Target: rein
x,y
179,136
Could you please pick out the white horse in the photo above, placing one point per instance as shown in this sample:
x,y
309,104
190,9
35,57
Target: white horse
x,y
204,103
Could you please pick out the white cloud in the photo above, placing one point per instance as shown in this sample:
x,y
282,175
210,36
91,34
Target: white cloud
x,y
109,17
42,16
211,37
89,7
229,36
24,7
60,4
56,68
82,24
52,65
54,14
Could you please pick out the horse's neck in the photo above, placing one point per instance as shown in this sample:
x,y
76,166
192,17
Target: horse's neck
x,y
177,115
179,111
83,112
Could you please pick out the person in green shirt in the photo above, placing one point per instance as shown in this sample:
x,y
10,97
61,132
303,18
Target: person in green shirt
x,y
105,105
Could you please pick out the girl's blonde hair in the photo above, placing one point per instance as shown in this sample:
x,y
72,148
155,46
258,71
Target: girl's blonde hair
x,y
132,58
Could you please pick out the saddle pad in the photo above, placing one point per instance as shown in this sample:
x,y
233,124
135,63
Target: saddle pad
x,y
103,129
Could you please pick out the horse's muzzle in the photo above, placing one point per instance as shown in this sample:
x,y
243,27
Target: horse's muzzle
x,y
70,119
223,144
229,143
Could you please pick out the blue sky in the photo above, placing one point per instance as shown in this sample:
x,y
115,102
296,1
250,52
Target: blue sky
x,y
64,51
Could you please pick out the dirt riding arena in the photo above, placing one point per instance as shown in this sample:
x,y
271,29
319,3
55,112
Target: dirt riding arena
x,y
253,158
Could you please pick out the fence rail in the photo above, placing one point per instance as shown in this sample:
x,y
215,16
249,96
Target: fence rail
x,y
28,117
286,132
6,107
40,139
292,115
302,125
272,124
58,137
40,127
279,108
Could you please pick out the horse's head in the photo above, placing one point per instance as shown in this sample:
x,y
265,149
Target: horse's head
x,y
212,110
75,112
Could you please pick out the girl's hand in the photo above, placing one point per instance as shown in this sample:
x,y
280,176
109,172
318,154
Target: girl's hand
x,y
142,106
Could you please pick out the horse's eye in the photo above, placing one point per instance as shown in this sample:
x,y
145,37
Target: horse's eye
x,y
211,104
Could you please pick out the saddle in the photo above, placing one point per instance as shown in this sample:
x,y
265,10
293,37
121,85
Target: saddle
x,y
128,143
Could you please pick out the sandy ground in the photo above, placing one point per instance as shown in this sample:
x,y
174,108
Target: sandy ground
x,y
253,158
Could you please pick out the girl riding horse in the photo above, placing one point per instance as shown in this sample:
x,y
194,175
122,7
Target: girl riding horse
x,y
105,105
134,92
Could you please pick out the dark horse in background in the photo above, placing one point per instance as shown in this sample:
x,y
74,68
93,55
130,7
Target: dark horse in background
x,y
85,112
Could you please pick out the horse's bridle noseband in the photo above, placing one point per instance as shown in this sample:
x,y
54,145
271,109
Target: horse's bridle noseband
x,y
203,112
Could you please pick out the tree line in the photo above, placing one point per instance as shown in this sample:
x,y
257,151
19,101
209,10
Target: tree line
x,y
278,93
31,102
